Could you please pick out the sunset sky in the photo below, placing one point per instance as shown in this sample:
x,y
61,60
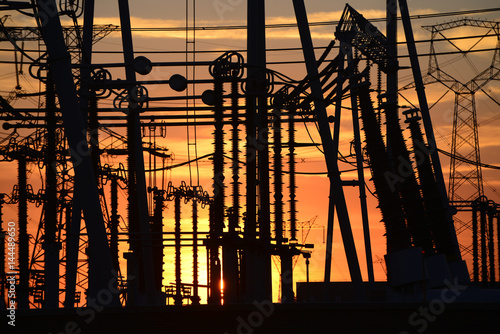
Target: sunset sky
x,y
312,192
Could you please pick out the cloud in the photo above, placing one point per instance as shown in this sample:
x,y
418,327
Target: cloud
x,y
209,33
174,27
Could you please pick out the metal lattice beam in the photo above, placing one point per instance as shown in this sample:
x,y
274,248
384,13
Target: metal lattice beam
x,y
357,31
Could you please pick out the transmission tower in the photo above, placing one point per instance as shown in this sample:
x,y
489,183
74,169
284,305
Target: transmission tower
x,y
465,181
17,36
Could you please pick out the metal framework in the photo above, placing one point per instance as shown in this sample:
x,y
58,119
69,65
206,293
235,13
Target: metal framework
x,y
357,31
247,228
465,139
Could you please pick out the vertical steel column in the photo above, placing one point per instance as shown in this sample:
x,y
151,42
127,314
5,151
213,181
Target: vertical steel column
x,y
491,243
392,50
230,246
235,151
50,246
133,273
88,107
475,248
214,267
338,198
292,176
392,63
307,269
250,219
230,272
278,176
114,222
100,263
408,187
397,235
335,143
426,118
195,299
497,215
137,158
85,70
135,279
132,279
72,244
23,292
406,184
484,255
443,241
157,236
361,186
259,261
219,187
74,221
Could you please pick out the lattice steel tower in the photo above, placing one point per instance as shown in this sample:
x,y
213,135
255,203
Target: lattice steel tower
x,y
465,182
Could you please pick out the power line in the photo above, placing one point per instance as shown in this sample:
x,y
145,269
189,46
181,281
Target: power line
x,y
465,160
399,56
268,50
244,50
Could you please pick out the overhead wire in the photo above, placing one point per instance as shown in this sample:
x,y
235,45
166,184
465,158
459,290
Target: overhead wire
x,y
326,23
291,62
468,161
298,49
